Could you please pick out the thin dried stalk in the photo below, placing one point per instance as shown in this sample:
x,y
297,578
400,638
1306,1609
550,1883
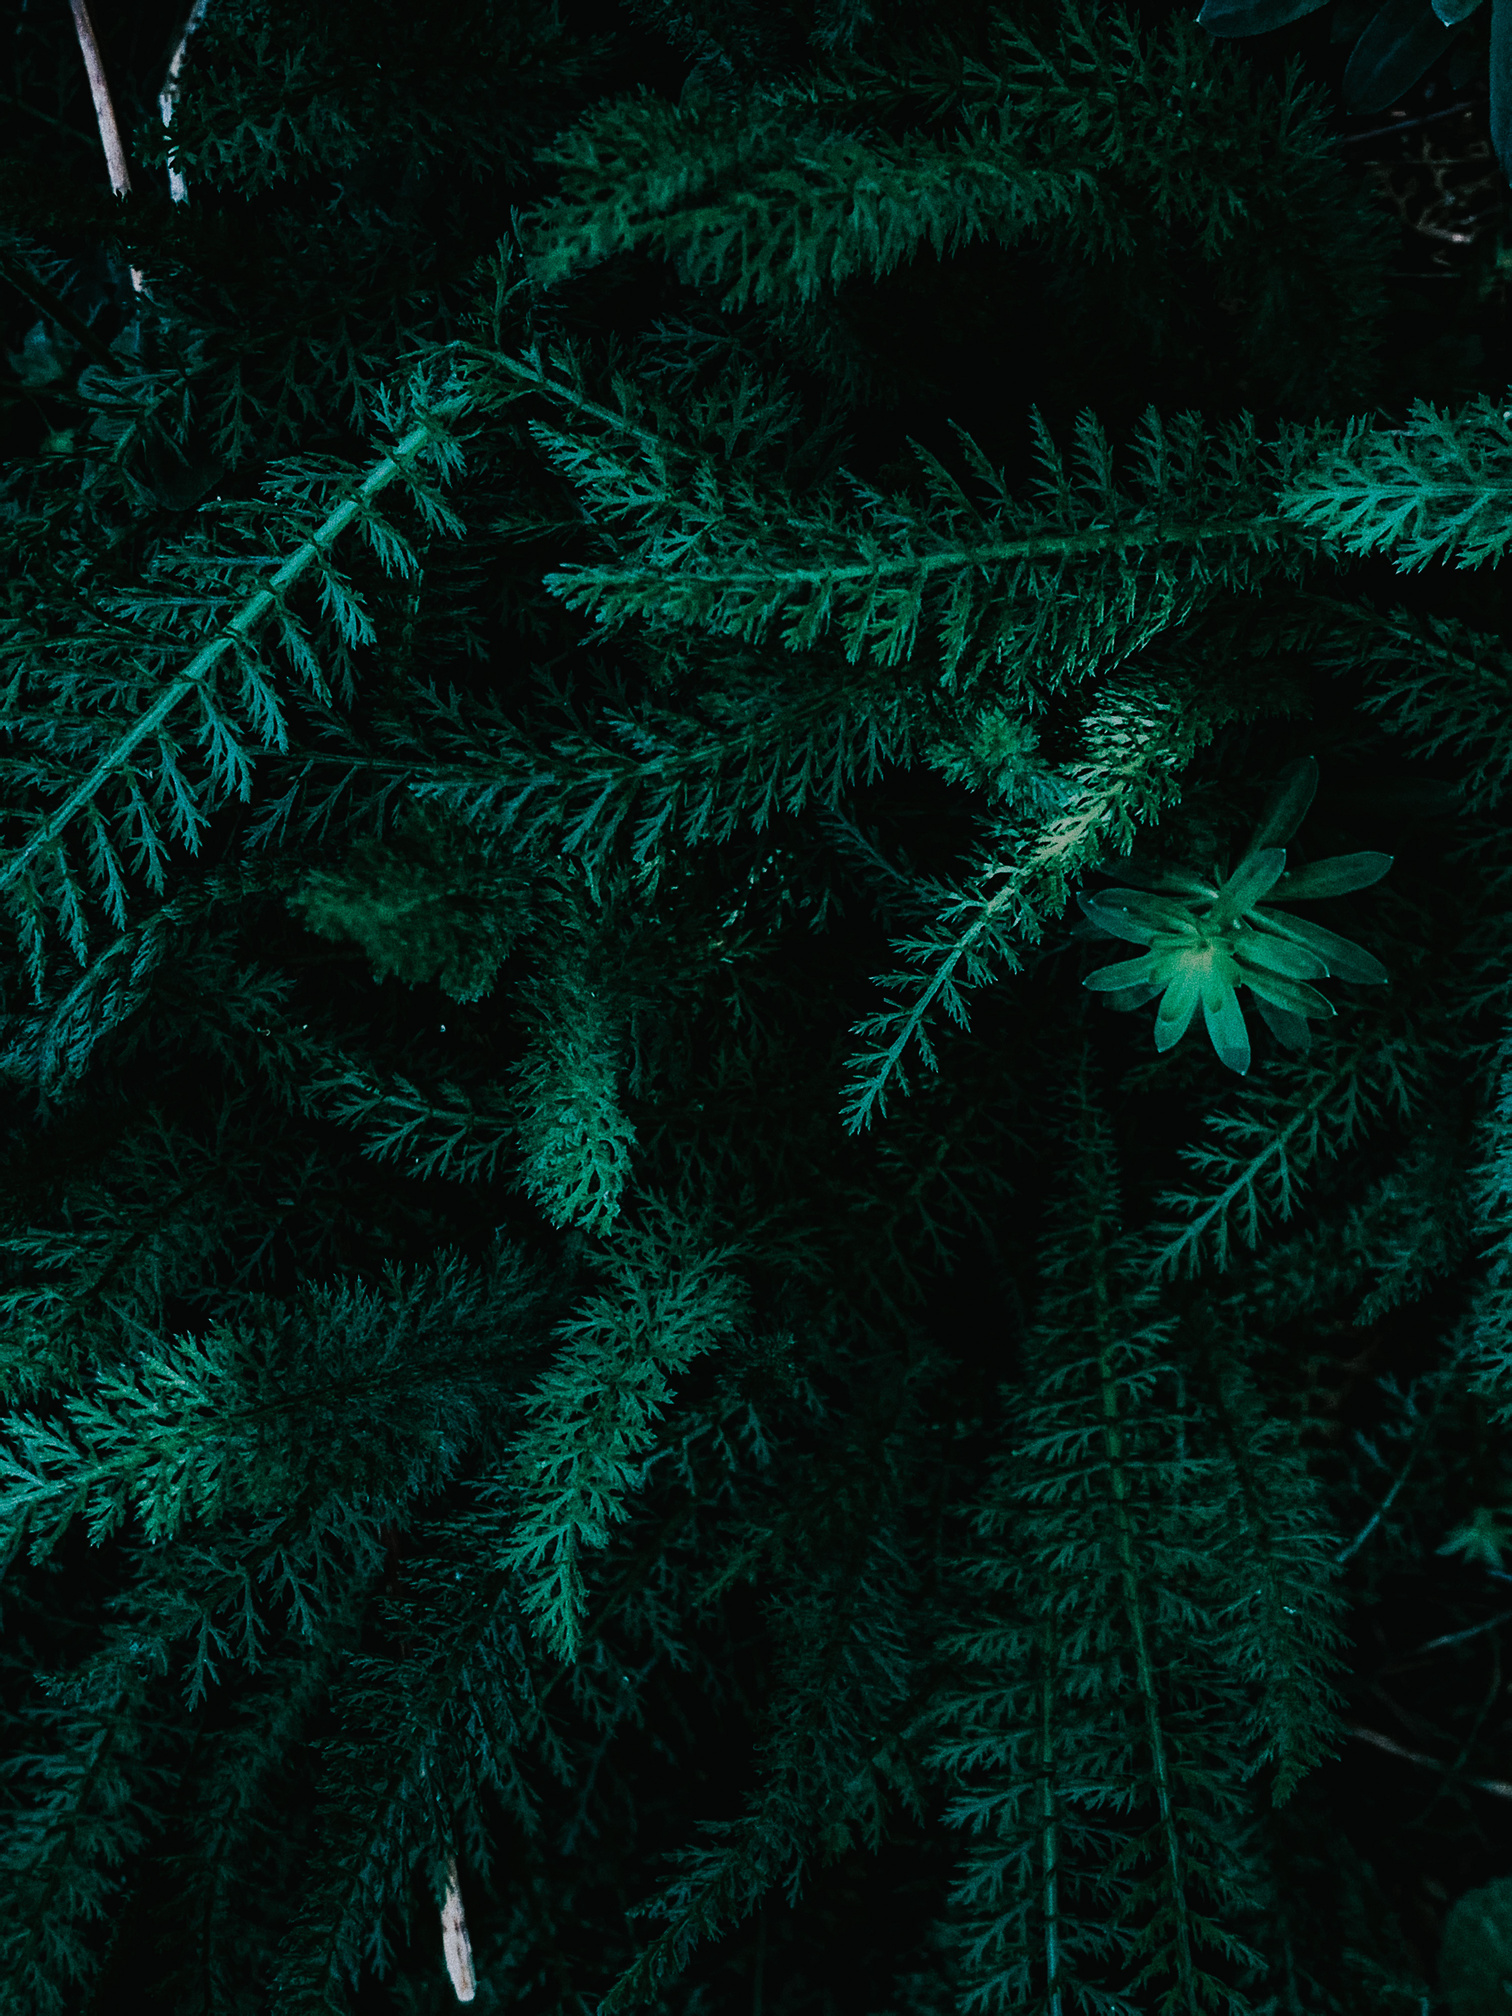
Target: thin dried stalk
x,y
167,98
110,132
455,1943
99,90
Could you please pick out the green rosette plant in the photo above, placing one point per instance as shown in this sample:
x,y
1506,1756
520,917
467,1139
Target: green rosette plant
x,y
1209,935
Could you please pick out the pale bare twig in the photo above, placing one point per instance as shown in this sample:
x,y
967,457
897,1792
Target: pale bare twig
x,y
455,1944
1407,125
104,104
1450,1638
99,87
1449,195
168,96
99,90
1497,1786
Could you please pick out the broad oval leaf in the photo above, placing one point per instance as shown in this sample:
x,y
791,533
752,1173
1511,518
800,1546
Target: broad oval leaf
x,y
1225,1023
1178,1007
1345,959
1166,877
1288,805
1118,923
1452,12
1287,1028
1253,17
1252,880
1127,973
1402,40
1279,955
1294,995
1165,911
1334,877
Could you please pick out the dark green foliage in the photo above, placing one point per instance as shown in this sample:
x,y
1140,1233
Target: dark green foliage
x,y
596,1329
430,904
1401,41
1394,42
1105,1713
1477,1951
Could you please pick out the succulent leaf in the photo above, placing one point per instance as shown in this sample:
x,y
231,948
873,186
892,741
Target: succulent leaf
x,y
1167,878
1207,939
1127,973
1343,957
1287,1028
1336,876
1287,805
1225,1021
1295,995
1250,882
1278,955
1137,995
1132,914
1178,1006
1117,923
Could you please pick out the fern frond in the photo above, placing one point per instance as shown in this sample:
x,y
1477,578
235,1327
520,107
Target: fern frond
x,y
794,189
1077,586
1439,488
425,1731
448,1132
1261,1148
1440,686
832,1753
1090,1736
590,1421
1279,1609
158,804
1490,1346
85,1788
1138,740
236,1828
254,1415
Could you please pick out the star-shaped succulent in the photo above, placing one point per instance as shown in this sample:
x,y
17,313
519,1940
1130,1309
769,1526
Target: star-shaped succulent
x,y
1208,936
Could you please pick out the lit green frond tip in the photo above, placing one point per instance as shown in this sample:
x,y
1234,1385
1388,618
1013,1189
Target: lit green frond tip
x,y
1208,937
1482,1538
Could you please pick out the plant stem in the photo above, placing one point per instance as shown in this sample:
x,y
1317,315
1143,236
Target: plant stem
x,y
99,88
178,188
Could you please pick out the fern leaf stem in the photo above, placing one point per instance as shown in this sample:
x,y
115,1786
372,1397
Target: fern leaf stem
x,y
1184,1247
1134,1605
252,612
1050,1832
1040,546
